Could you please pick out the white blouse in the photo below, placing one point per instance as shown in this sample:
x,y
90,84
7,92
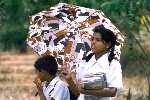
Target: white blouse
x,y
56,89
112,71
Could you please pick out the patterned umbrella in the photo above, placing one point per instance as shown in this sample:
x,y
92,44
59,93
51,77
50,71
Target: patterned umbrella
x,y
64,32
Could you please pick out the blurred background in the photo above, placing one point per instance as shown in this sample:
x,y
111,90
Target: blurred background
x,y
131,17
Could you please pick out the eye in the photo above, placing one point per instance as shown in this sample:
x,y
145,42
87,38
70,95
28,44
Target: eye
x,y
98,39
92,38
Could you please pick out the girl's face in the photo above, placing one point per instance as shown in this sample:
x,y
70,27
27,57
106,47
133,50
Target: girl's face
x,y
98,45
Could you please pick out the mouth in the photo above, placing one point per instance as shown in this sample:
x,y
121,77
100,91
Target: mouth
x,y
92,47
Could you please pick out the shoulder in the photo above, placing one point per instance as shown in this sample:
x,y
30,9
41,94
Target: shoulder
x,y
61,84
115,65
115,62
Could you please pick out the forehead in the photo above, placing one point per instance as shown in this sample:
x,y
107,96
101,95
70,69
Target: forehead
x,y
97,35
41,71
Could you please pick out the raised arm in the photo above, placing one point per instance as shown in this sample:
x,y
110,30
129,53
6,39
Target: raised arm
x,y
69,76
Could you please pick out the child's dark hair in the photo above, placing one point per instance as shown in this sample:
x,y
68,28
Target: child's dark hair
x,y
47,63
108,37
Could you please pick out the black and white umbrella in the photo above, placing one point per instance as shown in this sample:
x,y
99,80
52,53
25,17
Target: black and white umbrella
x,y
64,32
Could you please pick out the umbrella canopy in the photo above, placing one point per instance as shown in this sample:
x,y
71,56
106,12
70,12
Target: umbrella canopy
x,y
64,31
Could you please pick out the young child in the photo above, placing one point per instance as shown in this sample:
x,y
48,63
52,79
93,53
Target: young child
x,y
48,83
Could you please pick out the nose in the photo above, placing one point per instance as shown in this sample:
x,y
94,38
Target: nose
x,y
93,41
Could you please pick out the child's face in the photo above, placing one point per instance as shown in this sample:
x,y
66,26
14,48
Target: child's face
x,y
41,75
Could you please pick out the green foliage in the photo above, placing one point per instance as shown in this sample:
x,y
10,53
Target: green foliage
x,y
14,21
13,40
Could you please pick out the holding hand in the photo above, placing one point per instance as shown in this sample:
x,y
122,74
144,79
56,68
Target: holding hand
x,y
38,84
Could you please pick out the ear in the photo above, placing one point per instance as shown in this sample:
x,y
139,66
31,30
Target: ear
x,y
108,45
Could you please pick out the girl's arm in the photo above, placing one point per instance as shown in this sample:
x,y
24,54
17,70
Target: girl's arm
x,y
69,76
75,87
106,92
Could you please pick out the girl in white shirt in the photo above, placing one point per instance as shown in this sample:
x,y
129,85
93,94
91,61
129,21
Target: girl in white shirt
x,y
102,60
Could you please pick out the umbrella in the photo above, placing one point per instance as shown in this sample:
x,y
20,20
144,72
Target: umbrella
x,y
64,32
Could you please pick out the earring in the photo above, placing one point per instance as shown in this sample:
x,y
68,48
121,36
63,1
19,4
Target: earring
x,y
107,47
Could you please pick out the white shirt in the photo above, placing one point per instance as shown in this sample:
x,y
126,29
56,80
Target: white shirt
x,y
112,71
56,89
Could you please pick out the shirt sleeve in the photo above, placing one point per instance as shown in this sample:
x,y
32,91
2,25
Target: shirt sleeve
x,y
114,77
60,92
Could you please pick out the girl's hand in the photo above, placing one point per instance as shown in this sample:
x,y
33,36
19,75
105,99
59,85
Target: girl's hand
x,y
67,72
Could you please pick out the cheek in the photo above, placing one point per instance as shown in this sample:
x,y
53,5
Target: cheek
x,y
101,46
40,76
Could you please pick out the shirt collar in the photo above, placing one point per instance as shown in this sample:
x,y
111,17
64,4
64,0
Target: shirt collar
x,y
102,60
54,81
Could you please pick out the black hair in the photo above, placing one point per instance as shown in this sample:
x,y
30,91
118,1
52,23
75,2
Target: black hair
x,y
108,37
47,63
88,57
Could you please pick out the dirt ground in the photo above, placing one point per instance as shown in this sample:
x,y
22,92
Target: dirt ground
x,y
17,74
16,77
